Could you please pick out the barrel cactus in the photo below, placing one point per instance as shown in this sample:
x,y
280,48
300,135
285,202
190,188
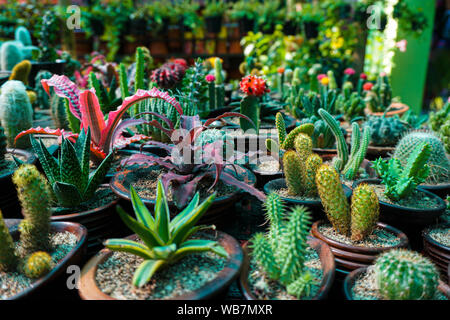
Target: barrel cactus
x,y
37,264
406,275
438,162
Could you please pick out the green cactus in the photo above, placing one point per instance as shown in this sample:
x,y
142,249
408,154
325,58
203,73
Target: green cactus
x,y
293,168
445,135
438,162
312,164
37,264
333,198
10,55
365,212
385,131
58,111
380,97
8,257
281,253
195,87
16,112
289,141
34,196
21,71
250,108
48,37
42,98
23,35
281,127
401,180
358,152
219,85
332,85
303,146
406,275
349,103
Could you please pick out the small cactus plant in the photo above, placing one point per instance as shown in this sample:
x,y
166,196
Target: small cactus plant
x,y
386,131
219,87
406,275
35,196
23,35
10,55
42,98
253,87
8,257
281,253
37,265
379,98
21,71
365,212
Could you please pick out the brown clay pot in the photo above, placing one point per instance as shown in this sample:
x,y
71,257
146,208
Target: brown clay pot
x,y
102,223
375,152
351,278
326,259
74,257
89,290
219,212
437,252
399,109
348,257
9,203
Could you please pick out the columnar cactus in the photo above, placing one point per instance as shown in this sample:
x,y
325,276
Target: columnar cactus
x,y
34,195
312,164
23,35
303,146
8,257
219,87
253,87
21,71
42,98
333,198
58,111
37,264
292,168
10,55
274,207
16,112
365,212
406,275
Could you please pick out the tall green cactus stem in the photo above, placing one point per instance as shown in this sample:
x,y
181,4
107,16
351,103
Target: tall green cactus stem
x,y
365,212
23,35
358,151
34,195
281,127
406,275
250,108
219,85
312,164
37,265
140,70
10,55
16,112
293,245
293,168
8,257
274,207
58,111
123,80
342,150
332,85
301,286
212,95
303,146
262,252
297,77
333,198
289,141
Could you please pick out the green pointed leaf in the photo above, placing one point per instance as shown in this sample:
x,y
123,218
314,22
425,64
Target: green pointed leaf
x,y
67,194
199,245
142,214
133,247
69,169
83,150
162,213
96,177
146,270
150,238
165,252
191,206
48,162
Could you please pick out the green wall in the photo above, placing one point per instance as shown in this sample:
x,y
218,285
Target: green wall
x,y
410,68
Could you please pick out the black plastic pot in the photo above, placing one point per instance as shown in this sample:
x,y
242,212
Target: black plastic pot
x,y
314,205
213,24
311,29
160,152
290,28
246,25
442,190
409,220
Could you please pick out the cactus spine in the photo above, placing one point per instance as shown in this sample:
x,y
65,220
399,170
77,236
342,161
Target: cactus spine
x,y
8,257
313,163
16,112
37,265
406,275
34,195
365,212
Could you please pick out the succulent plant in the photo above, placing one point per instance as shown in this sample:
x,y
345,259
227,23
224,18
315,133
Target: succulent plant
x,y
253,87
37,264
23,35
401,180
357,220
349,103
165,240
281,253
385,131
195,88
42,98
219,85
406,275
8,257
168,75
380,97
58,111
70,176
35,196
10,55
438,162
21,71
16,112
440,123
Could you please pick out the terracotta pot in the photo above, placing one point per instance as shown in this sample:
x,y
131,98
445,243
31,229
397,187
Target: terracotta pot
x,y
399,110
314,205
102,223
349,257
326,260
354,275
9,203
74,257
437,252
89,290
220,211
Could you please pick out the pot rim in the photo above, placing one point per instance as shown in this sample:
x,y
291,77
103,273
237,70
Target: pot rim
x,y
426,236
30,159
401,109
88,289
327,269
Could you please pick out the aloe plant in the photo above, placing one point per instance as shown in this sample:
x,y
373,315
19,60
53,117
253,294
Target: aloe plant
x,y
69,176
164,241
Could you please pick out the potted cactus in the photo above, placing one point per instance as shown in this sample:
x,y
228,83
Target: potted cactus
x,y
162,256
398,274
403,203
38,251
354,235
285,263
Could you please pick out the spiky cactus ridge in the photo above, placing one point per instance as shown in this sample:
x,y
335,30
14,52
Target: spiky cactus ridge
x,y
8,257
34,196
333,198
168,75
406,275
37,265
365,211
